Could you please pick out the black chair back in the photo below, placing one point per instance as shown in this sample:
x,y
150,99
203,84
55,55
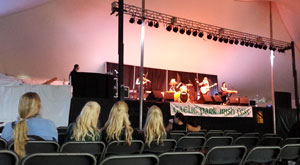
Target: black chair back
x,y
59,159
167,146
3,144
290,152
95,148
122,148
234,135
176,136
217,141
143,159
8,158
249,142
270,141
263,154
226,155
251,134
39,147
196,134
214,133
181,158
190,143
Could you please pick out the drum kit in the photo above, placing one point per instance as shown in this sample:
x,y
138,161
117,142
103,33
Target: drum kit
x,y
182,92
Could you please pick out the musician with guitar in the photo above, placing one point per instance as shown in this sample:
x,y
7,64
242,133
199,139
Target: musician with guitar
x,y
204,86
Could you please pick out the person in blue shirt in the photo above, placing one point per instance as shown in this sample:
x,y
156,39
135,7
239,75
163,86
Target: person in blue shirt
x,y
29,126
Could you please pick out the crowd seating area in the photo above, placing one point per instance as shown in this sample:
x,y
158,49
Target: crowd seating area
x,y
204,147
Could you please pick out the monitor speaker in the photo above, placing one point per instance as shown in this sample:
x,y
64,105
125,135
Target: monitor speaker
x,y
217,99
205,99
244,101
233,101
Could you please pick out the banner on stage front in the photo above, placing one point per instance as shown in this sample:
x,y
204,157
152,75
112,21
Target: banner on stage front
x,y
206,110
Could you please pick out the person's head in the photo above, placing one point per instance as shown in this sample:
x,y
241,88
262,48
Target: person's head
x,y
154,126
29,106
224,84
179,117
205,80
183,89
86,124
76,67
118,121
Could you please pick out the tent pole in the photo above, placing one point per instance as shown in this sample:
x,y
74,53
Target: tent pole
x,y
121,50
142,66
295,79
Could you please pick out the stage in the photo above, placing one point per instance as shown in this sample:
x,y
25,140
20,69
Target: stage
x,y
242,124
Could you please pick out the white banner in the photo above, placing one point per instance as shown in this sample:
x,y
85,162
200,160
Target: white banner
x,y
208,110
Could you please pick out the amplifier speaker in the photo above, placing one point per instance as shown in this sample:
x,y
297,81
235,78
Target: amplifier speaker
x,y
205,99
233,101
244,101
217,99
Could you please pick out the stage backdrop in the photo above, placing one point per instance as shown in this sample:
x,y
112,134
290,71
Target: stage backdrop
x,y
160,78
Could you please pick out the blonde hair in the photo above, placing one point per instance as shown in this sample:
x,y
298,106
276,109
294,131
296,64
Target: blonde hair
x,y
154,127
86,124
117,120
29,106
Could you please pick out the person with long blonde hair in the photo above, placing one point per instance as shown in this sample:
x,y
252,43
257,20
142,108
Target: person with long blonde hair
x,y
154,128
118,126
29,126
86,126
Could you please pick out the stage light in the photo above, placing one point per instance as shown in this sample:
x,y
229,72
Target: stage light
x,y
150,23
156,25
195,33
260,46
242,42
265,47
247,43
209,36
255,45
182,30
215,38
236,41
231,41
251,44
188,32
175,29
225,40
131,20
221,39
200,34
169,28
139,21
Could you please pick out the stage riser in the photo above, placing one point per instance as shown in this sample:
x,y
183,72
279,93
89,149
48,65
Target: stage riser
x,y
240,124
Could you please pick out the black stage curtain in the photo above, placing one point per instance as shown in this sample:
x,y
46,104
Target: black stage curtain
x,y
285,119
239,124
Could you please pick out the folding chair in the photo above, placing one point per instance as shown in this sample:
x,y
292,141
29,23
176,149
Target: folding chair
x,y
229,131
251,134
59,159
213,133
143,159
195,134
190,143
289,152
8,157
216,141
39,147
263,154
94,148
234,135
122,148
176,136
3,144
269,141
168,145
249,142
181,158
226,155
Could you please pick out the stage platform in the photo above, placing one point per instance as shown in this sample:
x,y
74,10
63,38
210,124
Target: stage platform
x,y
242,124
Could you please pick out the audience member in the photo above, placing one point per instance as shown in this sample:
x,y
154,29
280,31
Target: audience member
x,y
29,126
179,123
118,126
85,128
154,127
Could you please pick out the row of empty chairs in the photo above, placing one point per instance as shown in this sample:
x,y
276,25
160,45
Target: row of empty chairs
x,y
217,155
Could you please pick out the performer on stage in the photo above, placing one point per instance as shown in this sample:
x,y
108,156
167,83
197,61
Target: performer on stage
x,y
145,83
184,97
73,72
225,92
172,84
204,86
